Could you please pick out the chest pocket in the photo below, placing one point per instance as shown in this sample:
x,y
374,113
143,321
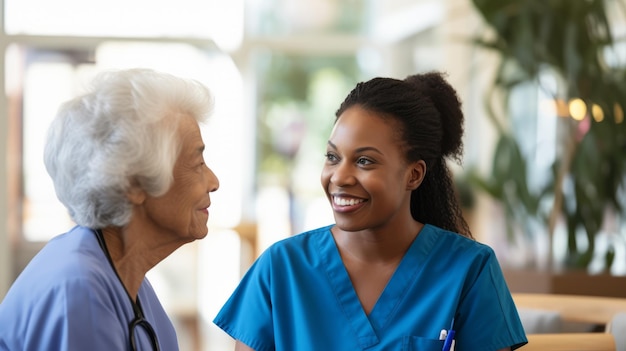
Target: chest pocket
x,y
418,343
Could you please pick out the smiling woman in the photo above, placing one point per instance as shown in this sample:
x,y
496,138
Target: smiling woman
x,y
51,51
399,264
126,161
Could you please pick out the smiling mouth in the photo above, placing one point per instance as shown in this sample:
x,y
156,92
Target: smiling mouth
x,y
340,201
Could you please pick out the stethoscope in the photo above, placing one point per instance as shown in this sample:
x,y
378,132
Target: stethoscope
x,y
139,319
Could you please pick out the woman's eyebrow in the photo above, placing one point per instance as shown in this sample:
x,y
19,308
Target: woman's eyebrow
x,y
361,149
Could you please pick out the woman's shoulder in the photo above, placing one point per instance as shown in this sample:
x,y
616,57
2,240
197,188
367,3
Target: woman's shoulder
x,y
469,257
455,242
72,258
62,273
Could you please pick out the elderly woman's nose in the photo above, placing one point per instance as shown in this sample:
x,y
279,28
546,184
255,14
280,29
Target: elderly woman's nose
x,y
213,183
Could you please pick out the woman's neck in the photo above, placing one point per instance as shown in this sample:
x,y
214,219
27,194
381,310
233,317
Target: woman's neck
x,y
130,258
374,246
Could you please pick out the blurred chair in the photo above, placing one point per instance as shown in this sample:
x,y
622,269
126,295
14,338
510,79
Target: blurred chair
x,y
571,342
617,327
538,321
544,315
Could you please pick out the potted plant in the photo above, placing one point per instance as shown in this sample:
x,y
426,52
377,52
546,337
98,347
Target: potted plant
x,y
572,42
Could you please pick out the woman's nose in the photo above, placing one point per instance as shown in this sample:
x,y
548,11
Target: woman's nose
x,y
342,174
212,182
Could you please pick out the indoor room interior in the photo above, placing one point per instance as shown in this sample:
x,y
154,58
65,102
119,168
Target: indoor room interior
x,y
543,179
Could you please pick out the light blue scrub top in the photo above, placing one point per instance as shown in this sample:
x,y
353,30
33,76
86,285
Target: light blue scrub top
x,y
69,298
298,296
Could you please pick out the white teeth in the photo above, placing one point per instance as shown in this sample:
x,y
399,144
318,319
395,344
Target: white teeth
x,y
346,202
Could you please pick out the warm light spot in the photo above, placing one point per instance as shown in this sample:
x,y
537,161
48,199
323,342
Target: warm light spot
x,y
619,114
577,109
561,108
597,113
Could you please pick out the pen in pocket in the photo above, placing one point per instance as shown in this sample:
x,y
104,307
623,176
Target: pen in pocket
x,y
448,337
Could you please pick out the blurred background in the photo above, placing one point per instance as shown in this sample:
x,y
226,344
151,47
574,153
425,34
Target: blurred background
x,y
542,83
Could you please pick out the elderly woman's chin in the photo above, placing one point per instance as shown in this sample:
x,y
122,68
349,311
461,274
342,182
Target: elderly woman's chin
x,y
199,231
203,229
202,233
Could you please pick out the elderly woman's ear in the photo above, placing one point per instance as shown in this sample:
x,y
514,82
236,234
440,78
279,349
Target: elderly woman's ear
x,y
135,194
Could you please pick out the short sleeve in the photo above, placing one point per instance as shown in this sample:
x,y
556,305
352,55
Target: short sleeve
x,y
487,317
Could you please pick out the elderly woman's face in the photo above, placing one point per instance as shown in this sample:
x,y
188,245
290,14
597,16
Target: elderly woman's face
x,y
183,210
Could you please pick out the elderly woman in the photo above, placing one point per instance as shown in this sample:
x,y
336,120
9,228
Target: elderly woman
x,y
127,162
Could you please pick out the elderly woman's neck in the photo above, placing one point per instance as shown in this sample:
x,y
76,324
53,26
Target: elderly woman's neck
x,y
132,257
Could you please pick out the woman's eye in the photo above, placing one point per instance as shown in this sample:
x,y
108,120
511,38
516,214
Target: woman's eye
x,y
364,161
330,157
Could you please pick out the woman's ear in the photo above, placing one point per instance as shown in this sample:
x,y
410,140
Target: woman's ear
x,y
135,194
417,172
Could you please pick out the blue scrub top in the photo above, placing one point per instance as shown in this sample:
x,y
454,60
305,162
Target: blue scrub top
x,y
298,296
69,298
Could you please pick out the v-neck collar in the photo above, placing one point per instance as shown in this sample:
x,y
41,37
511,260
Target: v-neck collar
x,y
365,326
